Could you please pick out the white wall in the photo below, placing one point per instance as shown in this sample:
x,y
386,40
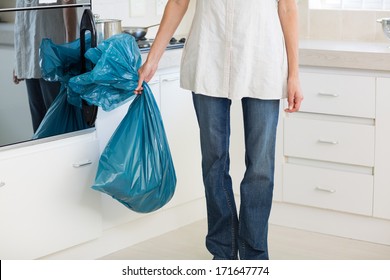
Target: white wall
x,y
337,25
121,9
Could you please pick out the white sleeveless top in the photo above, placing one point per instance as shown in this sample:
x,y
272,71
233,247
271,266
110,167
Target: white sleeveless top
x,y
235,49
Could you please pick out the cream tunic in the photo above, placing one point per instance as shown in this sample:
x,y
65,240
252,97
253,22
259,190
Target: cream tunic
x,y
236,49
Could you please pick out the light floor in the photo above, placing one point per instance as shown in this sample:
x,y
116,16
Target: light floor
x,y
187,243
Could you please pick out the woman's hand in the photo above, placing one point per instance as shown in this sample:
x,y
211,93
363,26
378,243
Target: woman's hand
x,y
295,96
15,79
146,73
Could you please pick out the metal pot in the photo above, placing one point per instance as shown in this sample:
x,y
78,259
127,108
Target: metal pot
x,y
385,26
105,28
138,32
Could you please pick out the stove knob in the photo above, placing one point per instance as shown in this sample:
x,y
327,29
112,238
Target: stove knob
x,y
182,40
173,40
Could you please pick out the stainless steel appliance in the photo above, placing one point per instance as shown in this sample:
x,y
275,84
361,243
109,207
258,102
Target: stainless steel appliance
x,y
144,44
15,116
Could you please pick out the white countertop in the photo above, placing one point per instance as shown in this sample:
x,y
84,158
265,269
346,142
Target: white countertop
x,y
341,54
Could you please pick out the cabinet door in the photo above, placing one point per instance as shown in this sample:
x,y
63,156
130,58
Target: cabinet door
x,y
46,203
183,135
338,94
154,85
382,150
329,189
329,141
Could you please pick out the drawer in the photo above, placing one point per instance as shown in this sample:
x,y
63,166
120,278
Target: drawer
x,y
344,95
329,141
329,189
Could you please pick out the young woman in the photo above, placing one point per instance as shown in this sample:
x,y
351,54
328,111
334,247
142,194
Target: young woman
x,y
245,50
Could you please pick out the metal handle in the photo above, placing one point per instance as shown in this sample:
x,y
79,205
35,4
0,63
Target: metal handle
x,y
325,190
170,80
328,142
328,94
81,164
2,184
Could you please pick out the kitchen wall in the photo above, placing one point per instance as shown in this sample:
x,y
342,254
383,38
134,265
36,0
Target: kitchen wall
x,y
122,9
340,25
314,24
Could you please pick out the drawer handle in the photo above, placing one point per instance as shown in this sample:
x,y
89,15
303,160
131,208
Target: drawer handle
x,y
170,80
328,94
81,164
2,184
325,190
153,83
330,142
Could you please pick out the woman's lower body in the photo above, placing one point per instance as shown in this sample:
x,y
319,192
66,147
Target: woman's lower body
x,y
41,95
231,234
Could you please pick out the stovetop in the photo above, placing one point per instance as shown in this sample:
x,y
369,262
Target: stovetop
x,y
144,44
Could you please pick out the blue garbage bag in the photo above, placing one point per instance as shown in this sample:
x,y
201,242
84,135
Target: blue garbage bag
x,y
136,166
115,75
59,63
62,117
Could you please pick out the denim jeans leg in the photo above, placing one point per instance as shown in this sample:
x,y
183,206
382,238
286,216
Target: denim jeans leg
x,y
260,122
214,123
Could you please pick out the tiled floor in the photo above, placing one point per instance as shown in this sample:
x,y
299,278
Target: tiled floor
x,y
187,243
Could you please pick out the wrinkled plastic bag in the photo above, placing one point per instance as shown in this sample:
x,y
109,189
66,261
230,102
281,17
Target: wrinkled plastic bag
x,y
62,117
61,63
136,166
115,75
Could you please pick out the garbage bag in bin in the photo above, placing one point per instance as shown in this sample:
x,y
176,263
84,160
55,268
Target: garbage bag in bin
x,y
60,63
136,166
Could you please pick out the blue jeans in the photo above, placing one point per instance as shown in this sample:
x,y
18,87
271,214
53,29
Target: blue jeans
x,y
230,235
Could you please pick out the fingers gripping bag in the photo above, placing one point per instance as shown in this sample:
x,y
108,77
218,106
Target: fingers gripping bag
x,y
136,166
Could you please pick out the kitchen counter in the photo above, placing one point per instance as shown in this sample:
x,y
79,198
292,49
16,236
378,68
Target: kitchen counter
x,y
339,54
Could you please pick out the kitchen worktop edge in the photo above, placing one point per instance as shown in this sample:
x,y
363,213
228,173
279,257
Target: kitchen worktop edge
x,y
345,54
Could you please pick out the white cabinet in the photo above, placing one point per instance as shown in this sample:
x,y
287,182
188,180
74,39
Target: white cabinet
x,y
338,94
329,141
329,146
46,203
328,188
183,136
382,150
